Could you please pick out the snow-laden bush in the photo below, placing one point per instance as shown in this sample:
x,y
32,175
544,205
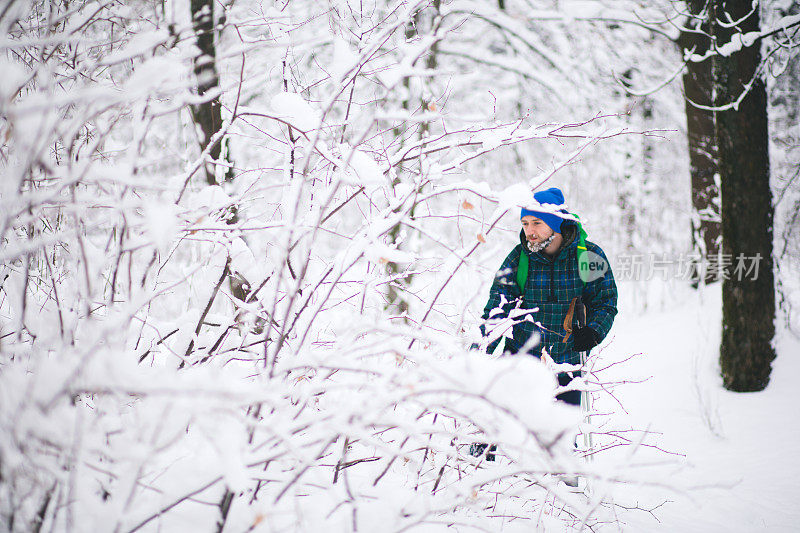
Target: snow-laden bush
x,y
286,349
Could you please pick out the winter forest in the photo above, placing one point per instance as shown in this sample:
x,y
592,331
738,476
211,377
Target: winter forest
x,y
245,248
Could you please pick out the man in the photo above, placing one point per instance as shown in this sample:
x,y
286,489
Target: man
x,y
565,273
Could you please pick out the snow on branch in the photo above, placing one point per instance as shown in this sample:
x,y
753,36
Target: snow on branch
x,y
289,345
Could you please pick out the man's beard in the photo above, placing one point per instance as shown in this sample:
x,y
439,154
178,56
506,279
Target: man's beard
x,y
539,246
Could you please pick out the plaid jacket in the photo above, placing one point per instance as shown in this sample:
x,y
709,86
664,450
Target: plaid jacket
x,y
551,286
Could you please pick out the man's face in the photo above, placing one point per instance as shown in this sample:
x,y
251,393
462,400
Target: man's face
x,y
535,229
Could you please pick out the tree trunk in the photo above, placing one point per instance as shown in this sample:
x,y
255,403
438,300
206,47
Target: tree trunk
x,y
785,117
207,115
748,304
697,83
396,293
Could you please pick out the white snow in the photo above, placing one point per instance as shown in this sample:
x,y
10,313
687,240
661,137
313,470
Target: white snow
x,y
139,44
135,388
362,169
739,467
161,223
295,110
345,59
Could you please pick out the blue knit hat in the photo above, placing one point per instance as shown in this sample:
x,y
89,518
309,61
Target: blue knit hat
x,y
548,196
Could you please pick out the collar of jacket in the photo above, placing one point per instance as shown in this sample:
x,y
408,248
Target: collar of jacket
x,y
569,233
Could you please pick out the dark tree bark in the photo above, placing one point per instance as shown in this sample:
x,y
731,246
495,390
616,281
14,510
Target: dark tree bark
x,y
697,84
207,115
748,305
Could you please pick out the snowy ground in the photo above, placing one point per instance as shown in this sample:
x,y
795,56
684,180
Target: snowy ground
x,y
740,470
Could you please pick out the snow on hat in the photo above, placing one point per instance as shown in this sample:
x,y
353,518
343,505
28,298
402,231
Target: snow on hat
x,y
549,196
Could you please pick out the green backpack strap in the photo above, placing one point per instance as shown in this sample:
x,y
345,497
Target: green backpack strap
x,y
582,259
522,271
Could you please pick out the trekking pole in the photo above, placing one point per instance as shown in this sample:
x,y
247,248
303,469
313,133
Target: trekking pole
x,y
586,398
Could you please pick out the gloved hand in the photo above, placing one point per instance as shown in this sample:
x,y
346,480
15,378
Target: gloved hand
x,y
584,339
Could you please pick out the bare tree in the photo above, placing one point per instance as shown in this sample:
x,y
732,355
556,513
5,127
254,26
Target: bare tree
x,y
207,113
416,100
697,87
748,303
785,133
